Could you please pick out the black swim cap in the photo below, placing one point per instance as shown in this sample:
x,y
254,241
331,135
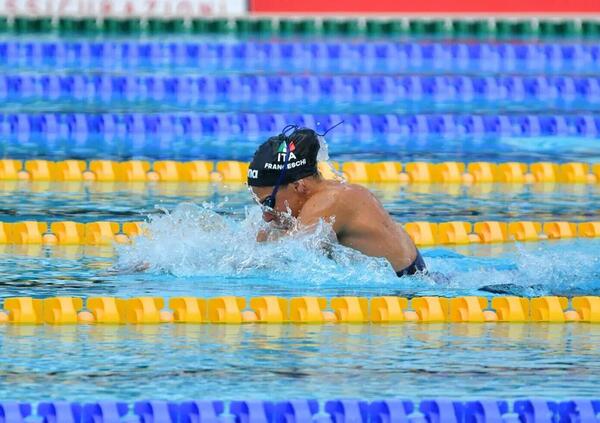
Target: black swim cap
x,y
302,146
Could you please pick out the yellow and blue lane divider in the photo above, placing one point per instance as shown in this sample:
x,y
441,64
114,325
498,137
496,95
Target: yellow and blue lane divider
x,y
489,410
423,233
352,171
306,309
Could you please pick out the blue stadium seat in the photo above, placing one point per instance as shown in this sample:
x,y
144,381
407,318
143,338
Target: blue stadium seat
x,y
536,410
200,411
442,411
252,411
348,411
156,411
59,412
391,411
104,412
295,411
14,412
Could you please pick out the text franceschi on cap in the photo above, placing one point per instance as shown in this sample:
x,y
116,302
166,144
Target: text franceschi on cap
x,y
300,149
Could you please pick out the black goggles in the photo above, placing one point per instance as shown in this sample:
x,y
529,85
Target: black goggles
x,y
269,201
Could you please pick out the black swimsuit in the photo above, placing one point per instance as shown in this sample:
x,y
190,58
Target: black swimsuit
x,y
418,265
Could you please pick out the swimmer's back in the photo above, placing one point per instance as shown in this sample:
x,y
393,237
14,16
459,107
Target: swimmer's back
x,y
361,222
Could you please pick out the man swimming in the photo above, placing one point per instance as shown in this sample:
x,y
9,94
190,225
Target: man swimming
x,y
284,179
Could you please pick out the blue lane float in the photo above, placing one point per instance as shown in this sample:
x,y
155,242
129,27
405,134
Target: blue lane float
x,y
81,126
441,410
303,55
234,135
277,88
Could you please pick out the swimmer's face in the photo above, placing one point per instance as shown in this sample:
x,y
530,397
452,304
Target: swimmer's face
x,y
288,199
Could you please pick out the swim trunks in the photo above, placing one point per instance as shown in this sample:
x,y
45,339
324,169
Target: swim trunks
x,y
418,265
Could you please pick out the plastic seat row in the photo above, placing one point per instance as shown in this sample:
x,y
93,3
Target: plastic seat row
x,y
442,410
80,127
68,232
270,309
357,172
151,52
306,26
428,233
475,172
127,171
285,88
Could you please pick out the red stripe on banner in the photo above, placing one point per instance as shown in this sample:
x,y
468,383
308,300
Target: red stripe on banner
x,y
428,6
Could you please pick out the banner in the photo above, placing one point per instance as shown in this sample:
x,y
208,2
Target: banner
x,y
424,6
123,8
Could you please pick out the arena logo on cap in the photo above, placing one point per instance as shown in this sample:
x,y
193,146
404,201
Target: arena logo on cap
x,y
283,150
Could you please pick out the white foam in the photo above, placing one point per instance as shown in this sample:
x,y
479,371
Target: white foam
x,y
196,240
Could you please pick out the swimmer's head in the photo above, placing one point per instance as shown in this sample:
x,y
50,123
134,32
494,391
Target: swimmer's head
x,y
281,190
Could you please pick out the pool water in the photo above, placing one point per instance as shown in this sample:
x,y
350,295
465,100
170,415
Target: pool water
x,y
199,250
114,99
83,202
279,362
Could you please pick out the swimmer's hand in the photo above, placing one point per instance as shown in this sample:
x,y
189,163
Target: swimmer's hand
x,y
141,267
270,234
262,235
123,270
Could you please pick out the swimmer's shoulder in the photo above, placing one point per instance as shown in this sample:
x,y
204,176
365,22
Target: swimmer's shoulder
x,y
343,197
353,195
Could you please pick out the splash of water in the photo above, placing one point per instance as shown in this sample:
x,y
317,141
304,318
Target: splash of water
x,y
196,240
545,268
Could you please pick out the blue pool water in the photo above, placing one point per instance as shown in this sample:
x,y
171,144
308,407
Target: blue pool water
x,y
196,250
195,98
307,361
49,202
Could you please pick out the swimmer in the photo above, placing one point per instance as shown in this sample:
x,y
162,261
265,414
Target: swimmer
x,y
284,180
